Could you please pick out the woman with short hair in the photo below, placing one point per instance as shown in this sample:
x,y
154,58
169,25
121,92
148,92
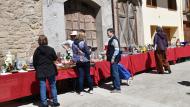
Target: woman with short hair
x,y
43,61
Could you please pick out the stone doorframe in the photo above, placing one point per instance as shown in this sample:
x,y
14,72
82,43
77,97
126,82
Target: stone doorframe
x,y
54,21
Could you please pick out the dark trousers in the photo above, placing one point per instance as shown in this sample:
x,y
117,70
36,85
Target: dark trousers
x,y
161,60
83,69
115,76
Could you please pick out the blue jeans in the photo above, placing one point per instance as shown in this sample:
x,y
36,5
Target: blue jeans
x,y
115,76
52,83
83,69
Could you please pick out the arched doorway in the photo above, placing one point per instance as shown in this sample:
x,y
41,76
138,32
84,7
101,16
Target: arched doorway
x,y
81,14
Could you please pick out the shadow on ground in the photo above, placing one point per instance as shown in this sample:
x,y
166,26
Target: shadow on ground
x,y
185,83
107,84
67,85
22,101
154,72
151,71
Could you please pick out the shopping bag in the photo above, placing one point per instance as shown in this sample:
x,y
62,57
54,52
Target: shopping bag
x,y
123,72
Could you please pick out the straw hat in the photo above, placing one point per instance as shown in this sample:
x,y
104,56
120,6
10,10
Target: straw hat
x,y
74,33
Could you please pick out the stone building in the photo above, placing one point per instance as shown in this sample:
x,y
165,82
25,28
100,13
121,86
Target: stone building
x,y
133,20
20,22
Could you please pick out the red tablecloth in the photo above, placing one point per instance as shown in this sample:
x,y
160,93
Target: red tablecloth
x,y
25,84
141,62
126,61
171,54
70,73
17,85
102,70
181,52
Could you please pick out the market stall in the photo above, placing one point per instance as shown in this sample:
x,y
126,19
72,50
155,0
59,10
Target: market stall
x,y
20,84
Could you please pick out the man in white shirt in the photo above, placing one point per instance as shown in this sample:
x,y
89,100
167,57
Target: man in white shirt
x,y
113,56
68,43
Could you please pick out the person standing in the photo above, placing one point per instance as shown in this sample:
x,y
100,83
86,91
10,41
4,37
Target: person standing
x,y
177,44
43,61
68,43
113,56
161,44
81,55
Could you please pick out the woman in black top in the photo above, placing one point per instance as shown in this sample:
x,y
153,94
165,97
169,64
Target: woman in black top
x,y
43,61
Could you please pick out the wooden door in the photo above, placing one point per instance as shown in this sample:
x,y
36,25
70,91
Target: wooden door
x,y
186,31
79,15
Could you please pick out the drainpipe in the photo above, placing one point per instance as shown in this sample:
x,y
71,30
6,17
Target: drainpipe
x,y
113,16
181,18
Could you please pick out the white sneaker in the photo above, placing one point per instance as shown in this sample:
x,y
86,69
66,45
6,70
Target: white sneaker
x,y
129,82
91,92
81,93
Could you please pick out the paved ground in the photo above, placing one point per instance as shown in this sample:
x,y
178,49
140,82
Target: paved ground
x,y
146,90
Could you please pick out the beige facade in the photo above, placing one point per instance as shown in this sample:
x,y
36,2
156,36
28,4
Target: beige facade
x,y
165,13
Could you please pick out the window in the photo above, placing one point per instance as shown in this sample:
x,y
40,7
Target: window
x,y
152,3
172,4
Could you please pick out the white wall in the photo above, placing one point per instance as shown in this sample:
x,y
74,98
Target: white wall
x,y
161,16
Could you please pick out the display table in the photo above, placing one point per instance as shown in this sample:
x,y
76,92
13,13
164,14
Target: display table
x,y
19,85
181,52
139,62
171,54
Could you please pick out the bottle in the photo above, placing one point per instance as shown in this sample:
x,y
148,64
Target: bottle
x,y
15,63
59,57
68,57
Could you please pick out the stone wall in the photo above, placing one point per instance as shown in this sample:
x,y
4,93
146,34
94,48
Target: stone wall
x,y
20,23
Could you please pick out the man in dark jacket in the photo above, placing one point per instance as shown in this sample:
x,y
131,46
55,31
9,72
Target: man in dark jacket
x,y
113,56
43,61
161,44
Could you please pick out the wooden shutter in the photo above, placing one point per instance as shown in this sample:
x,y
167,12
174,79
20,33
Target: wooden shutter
x,y
127,24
